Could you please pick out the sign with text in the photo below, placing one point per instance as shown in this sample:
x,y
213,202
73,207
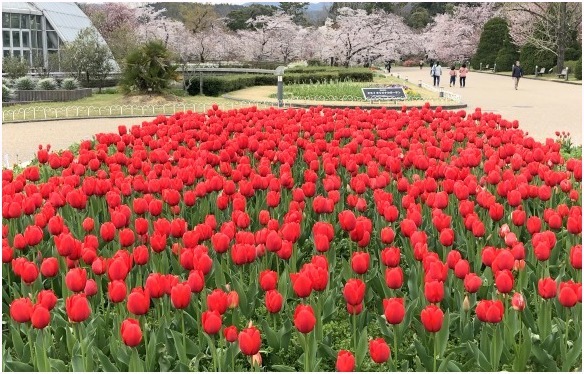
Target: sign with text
x,y
385,93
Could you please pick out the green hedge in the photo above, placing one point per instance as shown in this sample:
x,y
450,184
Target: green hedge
x,y
215,85
578,69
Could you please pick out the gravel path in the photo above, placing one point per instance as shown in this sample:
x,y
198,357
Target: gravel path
x,y
542,107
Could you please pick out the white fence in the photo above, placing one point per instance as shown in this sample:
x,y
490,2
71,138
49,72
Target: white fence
x,y
39,113
447,95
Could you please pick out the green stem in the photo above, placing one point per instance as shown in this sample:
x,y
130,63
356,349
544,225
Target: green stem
x,y
78,332
355,332
395,345
30,343
184,334
306,360
566,331
435,349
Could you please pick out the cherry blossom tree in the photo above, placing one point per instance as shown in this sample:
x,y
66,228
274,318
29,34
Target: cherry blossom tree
x,y
357,36
274,37
546,26
455,36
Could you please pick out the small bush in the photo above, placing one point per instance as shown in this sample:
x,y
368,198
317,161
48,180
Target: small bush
x,y
25,84
572,65
70,84
48,84
315,63
411,63
6,93
109,91
578,69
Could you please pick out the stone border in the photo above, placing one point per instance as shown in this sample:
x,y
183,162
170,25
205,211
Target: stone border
x,y
352,105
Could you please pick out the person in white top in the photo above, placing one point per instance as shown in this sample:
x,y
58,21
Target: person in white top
x,y
436,72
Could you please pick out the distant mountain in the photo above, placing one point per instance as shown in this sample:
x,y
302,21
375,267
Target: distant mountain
x,y
312,7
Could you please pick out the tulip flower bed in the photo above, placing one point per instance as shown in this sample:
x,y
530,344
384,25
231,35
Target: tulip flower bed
x,y
301,239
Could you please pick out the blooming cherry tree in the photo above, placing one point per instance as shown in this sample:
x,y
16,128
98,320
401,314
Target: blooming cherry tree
x,y
456,36
355,35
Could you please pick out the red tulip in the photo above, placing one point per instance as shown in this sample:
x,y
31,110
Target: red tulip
x,y
196,281
360,262
211,321
394,278
180,295
568,295
230,333
156,285
546,287
347,220
387,235
354,291
434,291
390,256
432,318
394,310
40,317
301,284
217,301
77,308
117,291
49,267
304,318
274,301
576,256
131,332
138,301
47,298
345,361
21,310
490,311
29,272
504,281
250,341
90,288
76,279
268,280
379,350
472,283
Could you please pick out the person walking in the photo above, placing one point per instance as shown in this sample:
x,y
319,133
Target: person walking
x,y
437,74
516,73
462,74
421,64
433,73
452,76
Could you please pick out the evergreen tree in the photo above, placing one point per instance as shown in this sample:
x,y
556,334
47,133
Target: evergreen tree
x,y
494,31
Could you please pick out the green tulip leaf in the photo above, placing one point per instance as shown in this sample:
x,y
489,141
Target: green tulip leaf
x,y
573,354
105,362
136,364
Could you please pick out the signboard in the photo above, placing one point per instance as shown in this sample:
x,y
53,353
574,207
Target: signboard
x,y
387,93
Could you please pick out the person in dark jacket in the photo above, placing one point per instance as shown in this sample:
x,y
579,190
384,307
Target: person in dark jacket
x,y
516,73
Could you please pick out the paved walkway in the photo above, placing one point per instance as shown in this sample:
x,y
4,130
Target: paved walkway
x,y
20,140
542,107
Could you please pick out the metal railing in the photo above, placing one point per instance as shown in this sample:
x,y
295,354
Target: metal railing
x,y
39,113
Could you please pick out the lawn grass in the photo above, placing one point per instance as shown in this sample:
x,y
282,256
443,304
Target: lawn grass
x,y
111,104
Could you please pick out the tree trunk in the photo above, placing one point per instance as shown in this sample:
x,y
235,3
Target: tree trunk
x,y
562,36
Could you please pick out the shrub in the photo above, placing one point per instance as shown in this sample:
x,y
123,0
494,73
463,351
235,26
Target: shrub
x,y
315,63
14,67
578,69
220,84
148,68
6,93
48,84
572,65
70,84
507,56
530,57
25,84
494,31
